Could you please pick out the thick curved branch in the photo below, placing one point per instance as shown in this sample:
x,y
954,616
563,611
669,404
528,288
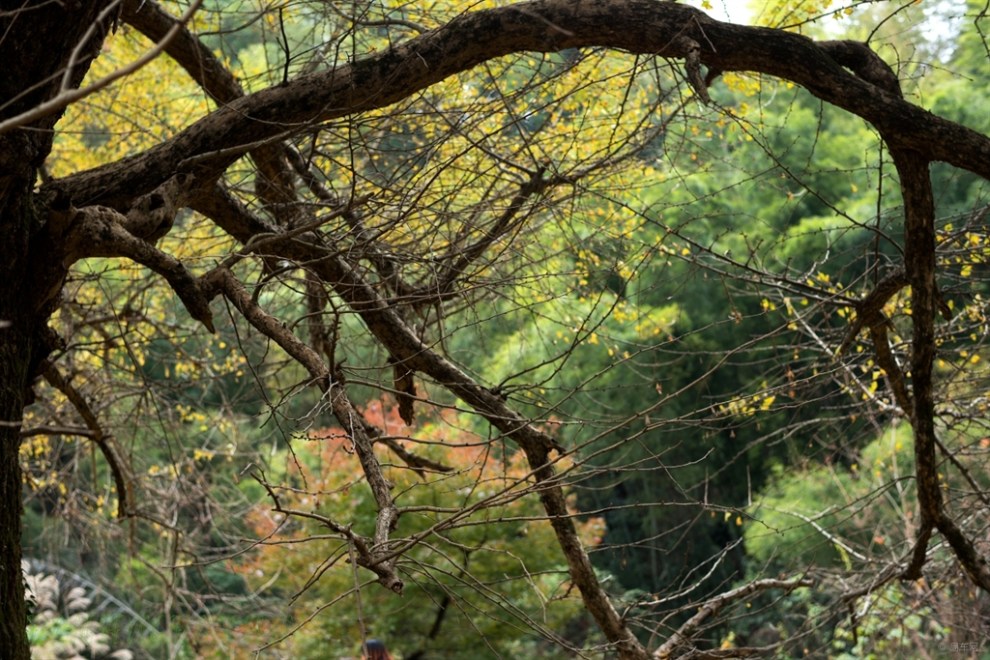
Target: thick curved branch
x,y
148,18
152,215
869,310
892,371
98,231
861,60
920,264
638,26
869,315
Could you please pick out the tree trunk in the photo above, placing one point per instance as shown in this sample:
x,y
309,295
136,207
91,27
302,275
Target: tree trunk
x,y
18,330
14,366
40,39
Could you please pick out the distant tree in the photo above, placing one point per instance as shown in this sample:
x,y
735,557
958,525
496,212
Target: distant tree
x,y
380,199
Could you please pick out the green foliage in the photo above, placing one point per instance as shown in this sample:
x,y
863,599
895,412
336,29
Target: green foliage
x,y
816,515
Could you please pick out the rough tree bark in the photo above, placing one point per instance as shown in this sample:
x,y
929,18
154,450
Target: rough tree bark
x,y
40,41
38,241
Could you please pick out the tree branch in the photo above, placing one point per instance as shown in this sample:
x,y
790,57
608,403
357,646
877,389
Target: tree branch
x,y
637,26
710,608
96,433
221,280
920,264
97,231
148,17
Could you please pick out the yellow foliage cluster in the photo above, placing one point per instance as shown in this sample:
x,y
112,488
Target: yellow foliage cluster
x,y
136,113
748,406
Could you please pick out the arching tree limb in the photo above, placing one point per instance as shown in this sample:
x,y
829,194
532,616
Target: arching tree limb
x,y
637,26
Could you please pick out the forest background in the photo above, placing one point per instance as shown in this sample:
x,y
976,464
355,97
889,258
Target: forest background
x,y
675,289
